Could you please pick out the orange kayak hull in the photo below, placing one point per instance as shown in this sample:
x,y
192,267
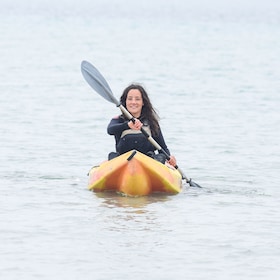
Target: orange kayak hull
x,y
134,174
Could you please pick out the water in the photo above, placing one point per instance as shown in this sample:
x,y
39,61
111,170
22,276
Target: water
x,y
213,74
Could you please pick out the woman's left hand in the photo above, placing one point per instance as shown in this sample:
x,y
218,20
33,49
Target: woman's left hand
x,y
172,161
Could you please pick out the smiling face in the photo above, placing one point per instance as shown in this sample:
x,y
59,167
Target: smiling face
x,y
134,102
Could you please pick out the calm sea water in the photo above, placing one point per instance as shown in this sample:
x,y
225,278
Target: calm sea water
x,y
212,72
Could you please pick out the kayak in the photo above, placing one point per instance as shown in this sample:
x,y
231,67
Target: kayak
x,y
135,174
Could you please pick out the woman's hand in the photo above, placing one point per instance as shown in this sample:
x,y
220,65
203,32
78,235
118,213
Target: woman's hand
x,y
136,125
172,161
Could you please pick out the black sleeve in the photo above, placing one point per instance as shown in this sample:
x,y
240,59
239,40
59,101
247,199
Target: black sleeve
x,y
161,142
117,126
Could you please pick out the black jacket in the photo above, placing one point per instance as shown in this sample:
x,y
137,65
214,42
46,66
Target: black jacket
x,y
132,141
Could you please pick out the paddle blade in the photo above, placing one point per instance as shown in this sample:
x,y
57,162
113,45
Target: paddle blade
x,y
97,82
193,184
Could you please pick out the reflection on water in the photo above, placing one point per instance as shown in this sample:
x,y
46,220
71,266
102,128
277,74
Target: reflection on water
x,y
111,200
131,214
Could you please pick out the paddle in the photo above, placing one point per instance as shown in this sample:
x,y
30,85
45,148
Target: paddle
x,y
99,84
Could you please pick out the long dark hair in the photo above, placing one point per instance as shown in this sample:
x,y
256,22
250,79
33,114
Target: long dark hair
x,y
148,113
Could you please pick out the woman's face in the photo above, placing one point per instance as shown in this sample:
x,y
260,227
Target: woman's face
x,y
134,102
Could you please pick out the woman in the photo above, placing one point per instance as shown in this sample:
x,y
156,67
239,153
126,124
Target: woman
x,y
128,134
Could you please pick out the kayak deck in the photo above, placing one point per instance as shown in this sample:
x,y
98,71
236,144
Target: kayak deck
x,y
134,174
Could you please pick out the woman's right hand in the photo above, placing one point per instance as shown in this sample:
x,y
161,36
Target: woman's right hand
x,y
136,125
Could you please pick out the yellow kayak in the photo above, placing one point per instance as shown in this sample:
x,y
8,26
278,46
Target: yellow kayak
x,y
135,174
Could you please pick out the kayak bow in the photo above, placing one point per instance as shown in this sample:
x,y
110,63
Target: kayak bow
x,y
135,174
